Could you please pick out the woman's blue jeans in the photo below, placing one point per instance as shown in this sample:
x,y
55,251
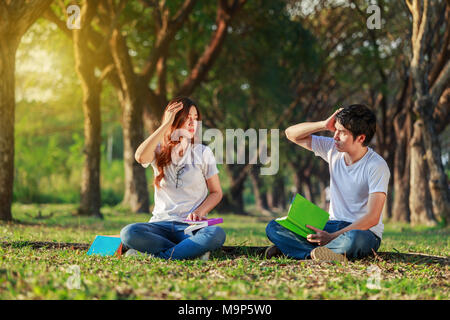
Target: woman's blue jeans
x,y
353,243
166,239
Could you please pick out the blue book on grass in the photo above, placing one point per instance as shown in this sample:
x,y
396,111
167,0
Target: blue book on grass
x,y
106,246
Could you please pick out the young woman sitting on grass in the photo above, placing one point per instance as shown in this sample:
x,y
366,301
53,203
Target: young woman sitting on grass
x,y
187,187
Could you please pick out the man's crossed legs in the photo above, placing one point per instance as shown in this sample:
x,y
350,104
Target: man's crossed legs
x,y
353,243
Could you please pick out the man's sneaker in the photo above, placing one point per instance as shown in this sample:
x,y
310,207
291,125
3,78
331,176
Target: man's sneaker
x,y
272,251
205,256
325,254
133,252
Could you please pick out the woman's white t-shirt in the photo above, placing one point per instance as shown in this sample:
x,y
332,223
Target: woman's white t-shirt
x,y
351,185
183,187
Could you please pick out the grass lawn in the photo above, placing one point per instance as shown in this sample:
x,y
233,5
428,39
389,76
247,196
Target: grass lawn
x,y
27,273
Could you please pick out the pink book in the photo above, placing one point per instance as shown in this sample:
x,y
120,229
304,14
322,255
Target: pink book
x,y
195,225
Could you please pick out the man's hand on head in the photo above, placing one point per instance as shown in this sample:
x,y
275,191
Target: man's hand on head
x,y
329,123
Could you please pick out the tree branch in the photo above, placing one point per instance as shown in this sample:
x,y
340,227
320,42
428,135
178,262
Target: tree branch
x,y
106,72
165,36
50,15
441,83
443,56
123,63
204,63
410,6
20,15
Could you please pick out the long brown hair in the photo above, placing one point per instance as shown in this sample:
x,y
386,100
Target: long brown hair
x,y
164,158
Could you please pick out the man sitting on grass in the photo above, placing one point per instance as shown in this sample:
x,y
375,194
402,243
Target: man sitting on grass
x,y
359,182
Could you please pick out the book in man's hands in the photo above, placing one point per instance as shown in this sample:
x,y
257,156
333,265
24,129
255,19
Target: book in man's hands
x,y
195,225
302,212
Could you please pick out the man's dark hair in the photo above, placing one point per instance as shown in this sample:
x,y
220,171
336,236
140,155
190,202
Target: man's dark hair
x,y
358,119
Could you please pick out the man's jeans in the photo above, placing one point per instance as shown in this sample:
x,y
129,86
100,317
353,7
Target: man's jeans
x,y
354,243
166,239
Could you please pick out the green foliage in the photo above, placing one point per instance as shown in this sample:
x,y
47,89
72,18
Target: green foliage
x,y
39,160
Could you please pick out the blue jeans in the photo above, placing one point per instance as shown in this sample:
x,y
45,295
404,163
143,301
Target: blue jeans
x,y
354,243
166,239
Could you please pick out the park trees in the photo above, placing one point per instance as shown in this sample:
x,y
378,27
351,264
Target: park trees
x,y
133,50
90,200
250,66
15,19
138,98
331,77
248,91
92,67
430,72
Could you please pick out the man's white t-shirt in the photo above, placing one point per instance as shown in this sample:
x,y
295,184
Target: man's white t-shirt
x,y
177,198
351,185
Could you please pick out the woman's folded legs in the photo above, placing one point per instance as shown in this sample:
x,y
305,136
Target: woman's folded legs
x,y
167,239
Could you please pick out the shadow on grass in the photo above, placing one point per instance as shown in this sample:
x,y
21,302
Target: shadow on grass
x,y
71,221
392,257
415,258
46,245
232,252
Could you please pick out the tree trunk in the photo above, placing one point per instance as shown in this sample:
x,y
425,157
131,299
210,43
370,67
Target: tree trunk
x,y
131,94
428,91
303,185
282,192
233,200
153,110
384,134
259,193
7,107
402,127
90,185
15,19
90,182
438,179
324,202
136,189
307,189
298,182
419,197
387,208
278,194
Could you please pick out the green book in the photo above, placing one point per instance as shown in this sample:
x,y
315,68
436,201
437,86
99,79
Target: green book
x,y
302,212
